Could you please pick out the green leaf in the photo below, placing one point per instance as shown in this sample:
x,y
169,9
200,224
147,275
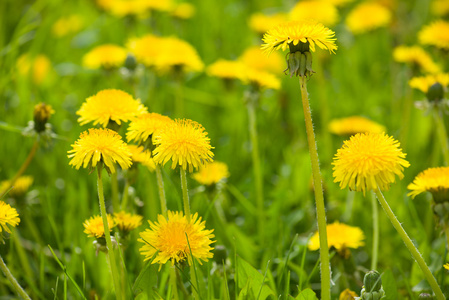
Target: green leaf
x,y
307,294
389,285
251,281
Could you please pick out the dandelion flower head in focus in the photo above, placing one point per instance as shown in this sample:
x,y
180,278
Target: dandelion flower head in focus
x,y
93,226
433,180
145,125
8,217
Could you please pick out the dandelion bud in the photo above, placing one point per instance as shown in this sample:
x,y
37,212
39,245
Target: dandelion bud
x,y
372,286
130,62
435,92
41,114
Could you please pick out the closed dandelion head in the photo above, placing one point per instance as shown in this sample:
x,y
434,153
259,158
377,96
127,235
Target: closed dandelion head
x,y
127,221
355,124
212,173
41,114
100,145
185,143
261,23
145,125
110,105
341,237
255,58
368,16
139,155
435,34
318,10
105,56
348,295
417,57
175,239
94,227
433,180
19,188
368,161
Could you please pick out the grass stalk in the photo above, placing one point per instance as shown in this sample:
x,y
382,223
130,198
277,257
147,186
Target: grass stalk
x,y
20,291
111,255
319,196
185,194
160,185
411,247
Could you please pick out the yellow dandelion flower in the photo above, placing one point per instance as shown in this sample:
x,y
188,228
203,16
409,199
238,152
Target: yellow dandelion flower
x,y
100,145
353,125
226,69
183,11
340,236
8,216
368,161
434,180
446,266
440,7
176,239
139,155
176,54
107,56
212,173
348,295
255,58
94,227
67,25
38,67
126,221
145,48
261,23
140,8
320,11
368,16
291,33
417,56
435,34
261,79
19,188
110,105
185,142
145,125
423,83
338,3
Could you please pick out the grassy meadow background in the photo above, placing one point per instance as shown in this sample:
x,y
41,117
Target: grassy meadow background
x,y
360,79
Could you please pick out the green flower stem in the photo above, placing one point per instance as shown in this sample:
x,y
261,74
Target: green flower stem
x,y
319,197
114,188
125,196
111,255
446,231
375,210
442,134
179,97
175,295
256,167
20,291
22,169
411,247
185,194
160,185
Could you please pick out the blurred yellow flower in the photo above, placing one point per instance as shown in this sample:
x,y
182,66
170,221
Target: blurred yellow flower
x,y
318,10
38,68
368,16
145,125
353,125
423,83
440,7
176,239
145,48
417,56
338,2
446,266
212,173
261,79
67,25
348,295
8,216
255,58
261,23
107,56
226,69
183,11
435,34
185,142
93,226
121,8
19,188
139,155
433,180
110,105
368,161
340,236
281,36
100,145
126,221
